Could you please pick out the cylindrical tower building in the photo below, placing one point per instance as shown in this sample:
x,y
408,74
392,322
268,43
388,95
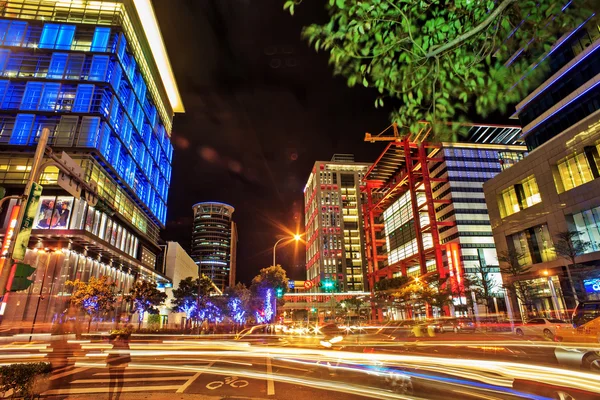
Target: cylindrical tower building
x,y
214,242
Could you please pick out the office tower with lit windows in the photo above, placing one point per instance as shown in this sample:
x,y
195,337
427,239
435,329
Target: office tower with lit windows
x,y
214,242
335,252
97,75
556,187
425,211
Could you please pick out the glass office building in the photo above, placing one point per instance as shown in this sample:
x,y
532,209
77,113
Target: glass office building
x,y
555,188
96,74
214,242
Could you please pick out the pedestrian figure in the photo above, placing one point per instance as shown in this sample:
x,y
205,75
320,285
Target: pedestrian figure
x,y
117,361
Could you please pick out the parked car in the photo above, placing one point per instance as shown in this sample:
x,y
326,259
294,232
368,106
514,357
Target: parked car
x,y
541,327
585,330
455,325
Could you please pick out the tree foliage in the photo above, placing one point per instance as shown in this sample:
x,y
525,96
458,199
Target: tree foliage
x,y
146,298
192,295
274,278
391,283
440,58
513,267
568,245
441,293
483,283
96,297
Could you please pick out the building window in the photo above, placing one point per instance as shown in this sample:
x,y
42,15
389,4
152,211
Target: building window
x,y
55,36
57,66
100,40
31,98
587,224
534,243
98,69
574,171
23,125
519,196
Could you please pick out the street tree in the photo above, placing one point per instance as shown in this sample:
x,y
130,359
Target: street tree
x,y
96,297
484,283
568,246
239,304
513,267
273,278
441,293
146,298
440,58
191,296
353,303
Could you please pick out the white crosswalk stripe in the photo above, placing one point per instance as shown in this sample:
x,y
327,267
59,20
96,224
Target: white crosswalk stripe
x,y
133,380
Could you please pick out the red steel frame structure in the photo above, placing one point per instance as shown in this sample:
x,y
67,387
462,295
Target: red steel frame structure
x,y
402,167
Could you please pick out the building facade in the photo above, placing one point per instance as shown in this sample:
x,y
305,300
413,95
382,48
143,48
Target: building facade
x,y
554,190
96,74
178,265
214,242
335,252
420,221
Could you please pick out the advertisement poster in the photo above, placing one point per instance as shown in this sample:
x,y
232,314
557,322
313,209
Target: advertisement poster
x,y
22,239
53,212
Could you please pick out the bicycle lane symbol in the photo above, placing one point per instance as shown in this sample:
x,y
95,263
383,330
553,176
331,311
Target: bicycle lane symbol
x,y
232,381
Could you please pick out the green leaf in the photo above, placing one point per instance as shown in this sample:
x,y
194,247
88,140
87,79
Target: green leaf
x,y
340,4
365,82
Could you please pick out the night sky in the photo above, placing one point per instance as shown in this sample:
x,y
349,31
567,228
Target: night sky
x,y
261,108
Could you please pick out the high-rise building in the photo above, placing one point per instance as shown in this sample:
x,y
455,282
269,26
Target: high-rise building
x,y
335,247
96,74
214,242
555,189
425,211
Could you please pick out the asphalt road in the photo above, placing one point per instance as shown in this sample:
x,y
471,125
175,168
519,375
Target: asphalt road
x,y
293,367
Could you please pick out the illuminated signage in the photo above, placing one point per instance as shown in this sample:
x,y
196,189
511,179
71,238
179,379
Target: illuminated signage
x,y
592,285
11,230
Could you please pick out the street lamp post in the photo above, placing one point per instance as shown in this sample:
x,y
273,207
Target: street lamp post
x,y
295,237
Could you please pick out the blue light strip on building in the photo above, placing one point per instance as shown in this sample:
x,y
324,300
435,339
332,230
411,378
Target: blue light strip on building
x,y
557,78
525,133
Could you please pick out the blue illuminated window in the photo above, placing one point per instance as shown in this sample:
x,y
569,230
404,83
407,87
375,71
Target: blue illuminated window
x,y
15,33
49,34
83,98
98,68
31,98
100,40
115,75
49,96
3,87
4,54
57,65
65,37
23,125
4,24
88,134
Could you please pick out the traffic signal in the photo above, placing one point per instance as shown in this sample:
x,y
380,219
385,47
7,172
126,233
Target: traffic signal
x,y
21,279
279,292
328,285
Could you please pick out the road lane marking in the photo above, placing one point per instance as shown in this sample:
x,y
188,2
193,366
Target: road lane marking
x,y
71,372
193,378
270,383
155,379
142,372
106,390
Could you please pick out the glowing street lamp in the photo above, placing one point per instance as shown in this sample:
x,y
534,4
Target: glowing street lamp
x,y
296,237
